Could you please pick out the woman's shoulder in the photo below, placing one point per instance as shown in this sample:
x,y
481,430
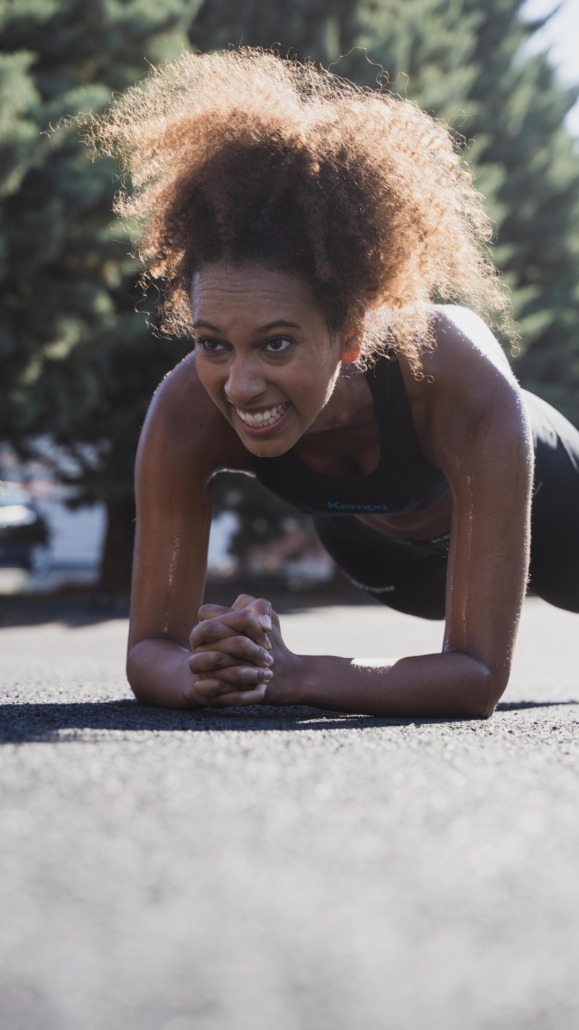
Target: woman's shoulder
x,y
465,377
182,414
464,359
462,341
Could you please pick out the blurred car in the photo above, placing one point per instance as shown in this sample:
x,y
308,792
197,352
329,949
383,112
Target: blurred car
x,y
24,533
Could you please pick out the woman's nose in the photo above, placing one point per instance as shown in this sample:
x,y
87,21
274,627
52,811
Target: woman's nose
x,y
244,383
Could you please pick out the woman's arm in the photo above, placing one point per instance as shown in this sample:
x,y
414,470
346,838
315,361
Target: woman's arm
x,y
405,687
184,442
472,423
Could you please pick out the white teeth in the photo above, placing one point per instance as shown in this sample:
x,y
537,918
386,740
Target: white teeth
x,y
262,418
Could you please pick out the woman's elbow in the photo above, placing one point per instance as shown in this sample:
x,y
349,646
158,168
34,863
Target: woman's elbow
x,y
480,689
132,672
493,686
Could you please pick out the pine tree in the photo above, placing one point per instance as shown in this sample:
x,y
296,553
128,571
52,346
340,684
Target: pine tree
x,y
462,61
319,29
78,363
518,126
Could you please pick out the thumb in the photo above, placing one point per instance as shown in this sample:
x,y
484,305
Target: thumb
x,y
211,611
261,608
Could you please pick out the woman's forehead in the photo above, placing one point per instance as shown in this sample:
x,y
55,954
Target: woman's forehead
x,y
223,286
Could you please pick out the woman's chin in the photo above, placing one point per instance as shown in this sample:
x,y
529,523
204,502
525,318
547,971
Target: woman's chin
x,y
266,441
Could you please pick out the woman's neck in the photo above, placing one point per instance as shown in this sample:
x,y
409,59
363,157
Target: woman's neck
x,y
344,439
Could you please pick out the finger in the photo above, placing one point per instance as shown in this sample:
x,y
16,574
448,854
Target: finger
x,y
243,601
237,677
205,661
229,625
212,611
232,697
210,688
210,662
240,648
207,633
242,623
261,608
258,605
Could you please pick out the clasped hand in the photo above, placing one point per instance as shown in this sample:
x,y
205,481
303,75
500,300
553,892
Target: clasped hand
x,y
236,652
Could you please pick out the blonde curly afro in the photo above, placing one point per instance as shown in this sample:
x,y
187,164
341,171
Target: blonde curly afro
x,y
246,156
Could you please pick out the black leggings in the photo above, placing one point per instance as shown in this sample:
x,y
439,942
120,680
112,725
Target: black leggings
x,y
411,576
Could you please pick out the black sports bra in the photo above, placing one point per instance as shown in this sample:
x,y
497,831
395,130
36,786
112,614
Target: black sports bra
x,y
403,481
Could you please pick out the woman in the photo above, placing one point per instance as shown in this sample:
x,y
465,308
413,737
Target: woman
x,y
302,230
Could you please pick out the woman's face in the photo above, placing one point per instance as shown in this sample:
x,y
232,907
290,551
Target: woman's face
x,y
264,353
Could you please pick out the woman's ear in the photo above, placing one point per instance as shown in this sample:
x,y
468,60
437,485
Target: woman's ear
x,y
351,348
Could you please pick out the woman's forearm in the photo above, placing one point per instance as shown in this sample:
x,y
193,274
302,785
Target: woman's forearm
x,y
159,674
447,685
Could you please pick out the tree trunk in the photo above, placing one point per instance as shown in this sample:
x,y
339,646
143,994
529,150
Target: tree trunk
x,y
117,556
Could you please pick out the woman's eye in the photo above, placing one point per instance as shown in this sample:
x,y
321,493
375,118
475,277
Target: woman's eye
x,y
278,345
208,345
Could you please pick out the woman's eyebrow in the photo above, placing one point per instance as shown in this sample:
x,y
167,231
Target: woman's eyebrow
x,y
279,323
200,324
274,325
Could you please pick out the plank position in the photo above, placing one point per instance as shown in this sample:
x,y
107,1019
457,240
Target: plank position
x,y
312,239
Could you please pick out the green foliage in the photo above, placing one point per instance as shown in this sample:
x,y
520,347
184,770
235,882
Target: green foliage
x,y
315,28
77,363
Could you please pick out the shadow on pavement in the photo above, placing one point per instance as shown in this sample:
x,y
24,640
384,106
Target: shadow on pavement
x,y
517,706
46,722
78,607
75,614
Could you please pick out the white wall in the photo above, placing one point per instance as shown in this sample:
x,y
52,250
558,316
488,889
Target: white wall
x,y
76,536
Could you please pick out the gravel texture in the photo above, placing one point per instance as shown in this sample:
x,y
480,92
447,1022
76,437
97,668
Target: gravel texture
x,y
286,869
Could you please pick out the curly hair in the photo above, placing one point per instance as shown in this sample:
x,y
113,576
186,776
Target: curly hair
x,y
246,156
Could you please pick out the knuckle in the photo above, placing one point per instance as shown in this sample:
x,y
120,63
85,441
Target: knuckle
x,y
205,661
236,643
215,630
208,659
211,628
237,675
239,619
203,691
243,647
244,676
253,626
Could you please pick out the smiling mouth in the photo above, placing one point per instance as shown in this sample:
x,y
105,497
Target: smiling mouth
x,y
262,419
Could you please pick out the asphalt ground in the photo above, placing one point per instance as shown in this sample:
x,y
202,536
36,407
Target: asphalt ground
x,y
286,869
